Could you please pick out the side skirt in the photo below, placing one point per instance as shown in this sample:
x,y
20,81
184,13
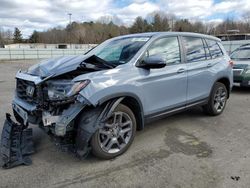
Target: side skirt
x,y
168,112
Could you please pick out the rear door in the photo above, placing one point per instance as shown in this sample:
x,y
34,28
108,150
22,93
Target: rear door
x,y
199,77
215,61
165,88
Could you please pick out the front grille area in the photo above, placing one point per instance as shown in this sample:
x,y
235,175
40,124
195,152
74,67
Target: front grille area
x,y
21,91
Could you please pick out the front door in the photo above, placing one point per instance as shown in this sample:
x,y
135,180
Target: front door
x,y
164,88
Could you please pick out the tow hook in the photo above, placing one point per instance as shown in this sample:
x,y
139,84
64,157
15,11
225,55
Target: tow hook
x,y
16,144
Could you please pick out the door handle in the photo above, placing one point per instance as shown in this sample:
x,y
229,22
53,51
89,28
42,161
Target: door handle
x,y
209,65
181,71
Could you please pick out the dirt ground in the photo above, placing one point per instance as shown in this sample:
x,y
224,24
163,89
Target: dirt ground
x,y
186,150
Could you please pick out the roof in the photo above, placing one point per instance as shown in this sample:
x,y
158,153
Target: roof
x,y
233,34
158,34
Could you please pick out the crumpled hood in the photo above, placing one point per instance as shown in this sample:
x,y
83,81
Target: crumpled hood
x,y
56,66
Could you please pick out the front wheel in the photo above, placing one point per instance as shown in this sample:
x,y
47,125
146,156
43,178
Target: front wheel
x,y
117,134
217,100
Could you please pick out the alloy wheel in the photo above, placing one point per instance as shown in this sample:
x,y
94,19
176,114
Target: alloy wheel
x,y
220,98
116,133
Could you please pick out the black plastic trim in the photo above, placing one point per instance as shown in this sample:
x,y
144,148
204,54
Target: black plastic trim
x,y
168,112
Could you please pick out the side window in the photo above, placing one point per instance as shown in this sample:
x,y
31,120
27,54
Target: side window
x,y
194,49
168,48
214,48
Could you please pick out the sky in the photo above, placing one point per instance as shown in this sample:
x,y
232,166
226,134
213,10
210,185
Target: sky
x,y
40,15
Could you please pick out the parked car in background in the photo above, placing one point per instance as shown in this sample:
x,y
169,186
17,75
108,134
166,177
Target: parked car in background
x,y
241,68
97,101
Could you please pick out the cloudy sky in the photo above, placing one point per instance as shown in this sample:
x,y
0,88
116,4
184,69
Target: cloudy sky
x,y
43,14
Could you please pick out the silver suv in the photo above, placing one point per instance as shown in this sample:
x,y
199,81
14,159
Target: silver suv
x,y
97,101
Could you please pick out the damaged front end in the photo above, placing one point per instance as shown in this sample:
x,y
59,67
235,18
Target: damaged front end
x,y
56,117
53,103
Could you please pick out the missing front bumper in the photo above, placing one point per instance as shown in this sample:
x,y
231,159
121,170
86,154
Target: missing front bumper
x,y
16,144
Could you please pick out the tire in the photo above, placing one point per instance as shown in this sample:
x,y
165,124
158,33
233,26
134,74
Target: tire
x,y
217,100
116,133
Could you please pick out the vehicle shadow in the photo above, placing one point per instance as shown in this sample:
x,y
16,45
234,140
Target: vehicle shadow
x,y
170,121
165,122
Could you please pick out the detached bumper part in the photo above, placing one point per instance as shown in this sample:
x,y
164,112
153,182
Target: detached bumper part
x,y
16,144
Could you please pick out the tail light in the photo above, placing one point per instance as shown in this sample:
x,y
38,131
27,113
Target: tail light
x,y
230,63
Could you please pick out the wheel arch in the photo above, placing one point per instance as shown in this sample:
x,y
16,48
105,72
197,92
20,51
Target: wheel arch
x,y
226,82
130,100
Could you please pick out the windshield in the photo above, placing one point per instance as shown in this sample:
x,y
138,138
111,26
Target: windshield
x,y
241,54
119,51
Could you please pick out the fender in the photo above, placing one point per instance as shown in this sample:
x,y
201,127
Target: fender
x,y
109,108
139,117
225,80
118,95
91,121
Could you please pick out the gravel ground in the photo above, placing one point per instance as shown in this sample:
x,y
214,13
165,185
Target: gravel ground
x,y
189,149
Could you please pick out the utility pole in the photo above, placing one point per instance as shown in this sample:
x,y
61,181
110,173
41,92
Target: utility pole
x,y
70,14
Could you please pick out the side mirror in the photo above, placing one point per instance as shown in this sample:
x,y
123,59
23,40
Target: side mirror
x,y
152,62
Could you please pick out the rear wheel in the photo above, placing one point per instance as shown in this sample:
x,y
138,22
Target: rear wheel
x,y
217,100
117,134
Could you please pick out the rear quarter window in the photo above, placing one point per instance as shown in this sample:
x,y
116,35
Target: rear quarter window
x,y
194,49
214,48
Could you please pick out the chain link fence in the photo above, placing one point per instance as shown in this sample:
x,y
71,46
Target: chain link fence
x,y
43,53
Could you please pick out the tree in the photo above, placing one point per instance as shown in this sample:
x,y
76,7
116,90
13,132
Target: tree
x,y
5,36
8,36
140,25
110,26
17,36
199,27
160,23
34,38
227,25
246,18
1,37
183,25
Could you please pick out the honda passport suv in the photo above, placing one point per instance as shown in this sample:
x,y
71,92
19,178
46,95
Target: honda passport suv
x,y
96,102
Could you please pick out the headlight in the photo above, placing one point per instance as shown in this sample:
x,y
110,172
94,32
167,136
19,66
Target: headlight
x,y
61,89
